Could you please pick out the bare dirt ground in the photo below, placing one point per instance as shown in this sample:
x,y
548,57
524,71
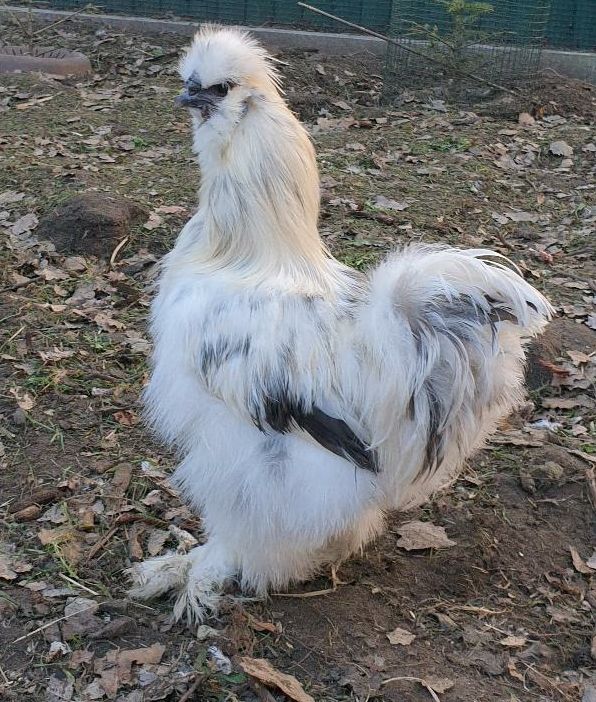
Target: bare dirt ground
x,y
505,613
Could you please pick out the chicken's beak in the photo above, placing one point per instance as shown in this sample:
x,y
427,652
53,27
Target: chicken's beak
x,y
198,100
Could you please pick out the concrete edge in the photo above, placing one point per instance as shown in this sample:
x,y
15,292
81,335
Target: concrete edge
x,y
574,64
324,42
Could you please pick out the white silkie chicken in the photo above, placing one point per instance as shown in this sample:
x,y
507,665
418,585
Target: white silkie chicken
x,y
307,399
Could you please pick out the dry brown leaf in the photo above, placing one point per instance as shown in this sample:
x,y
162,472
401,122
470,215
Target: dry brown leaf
x,y
107,322
513,641
55,354
115,669
560,148
121,479
578,357
519,216
59,688
50,273
6,570
562,615
24,224
75,264
342,104
134,541
567,402
513,671
156,541
578,562
258,625
387,204
263,671
10,196
153,222
127,418
79,658
171,209
525,119
25,400
67,538
55,536
418,535
439,685
401,637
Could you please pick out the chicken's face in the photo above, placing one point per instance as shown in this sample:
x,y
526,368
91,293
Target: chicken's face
x,y
222,71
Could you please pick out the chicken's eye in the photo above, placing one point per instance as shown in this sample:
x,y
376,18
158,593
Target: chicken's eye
x,y
220,89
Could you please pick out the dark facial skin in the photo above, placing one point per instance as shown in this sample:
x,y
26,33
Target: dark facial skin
x,y
204,99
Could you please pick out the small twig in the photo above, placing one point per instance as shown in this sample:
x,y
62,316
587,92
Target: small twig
x,y
423,682
54,621
3,674
477,610
102,542
116,251
63,19
122,519
591,480
76,583
389,40
14,336
192,689
304,595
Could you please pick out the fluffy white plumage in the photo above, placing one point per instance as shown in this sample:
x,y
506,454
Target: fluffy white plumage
x,y
307,400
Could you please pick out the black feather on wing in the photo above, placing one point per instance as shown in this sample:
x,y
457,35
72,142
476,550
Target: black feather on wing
x,y
331,433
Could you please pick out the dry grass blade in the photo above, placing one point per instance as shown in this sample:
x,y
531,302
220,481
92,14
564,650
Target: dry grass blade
x,y
45,626
422,681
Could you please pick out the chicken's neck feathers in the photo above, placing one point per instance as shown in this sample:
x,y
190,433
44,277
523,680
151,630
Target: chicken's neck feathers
x,y
259,200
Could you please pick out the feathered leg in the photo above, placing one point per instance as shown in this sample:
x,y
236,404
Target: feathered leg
x,y
211,565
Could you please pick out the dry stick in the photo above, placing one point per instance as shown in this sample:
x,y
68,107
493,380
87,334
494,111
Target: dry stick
x,y
389,40
3,674
117,250
192,689
591,480
60,21
55,621
76,583
423,682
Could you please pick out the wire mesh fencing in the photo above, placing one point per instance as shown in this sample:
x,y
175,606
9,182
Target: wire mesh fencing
x,y
279,13
464,46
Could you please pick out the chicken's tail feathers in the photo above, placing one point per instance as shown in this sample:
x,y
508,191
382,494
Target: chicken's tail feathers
x,y
422,279
448,328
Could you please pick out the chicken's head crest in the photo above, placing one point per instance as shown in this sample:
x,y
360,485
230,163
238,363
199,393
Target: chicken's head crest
x,y
223,69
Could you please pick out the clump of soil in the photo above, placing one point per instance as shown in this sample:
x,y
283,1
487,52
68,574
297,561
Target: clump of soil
x,y
91,223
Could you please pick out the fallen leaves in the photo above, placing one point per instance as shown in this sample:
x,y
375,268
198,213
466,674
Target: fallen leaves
x,y
154,222
386,203
264,672
9,197
24,399
579,564
25,224
560,148
401,637
11,568
116,667
416,536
